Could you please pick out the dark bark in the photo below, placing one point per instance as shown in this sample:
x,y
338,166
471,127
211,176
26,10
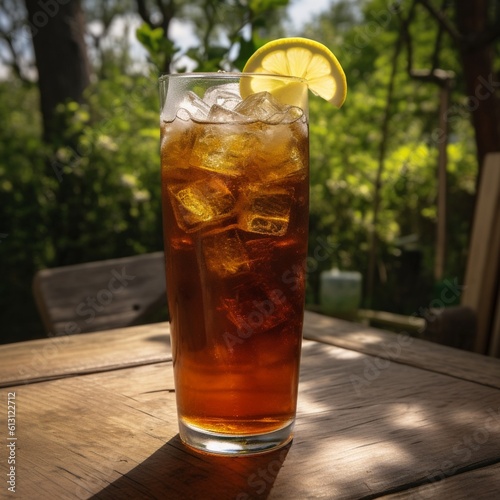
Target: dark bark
x,y
474,35
482,86
57,29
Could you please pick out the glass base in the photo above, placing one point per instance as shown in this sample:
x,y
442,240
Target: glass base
x,y
234,444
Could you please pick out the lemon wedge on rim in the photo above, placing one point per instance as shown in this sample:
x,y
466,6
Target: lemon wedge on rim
x,y
301,58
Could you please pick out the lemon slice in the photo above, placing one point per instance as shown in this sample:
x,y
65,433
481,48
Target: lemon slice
x,y
301,58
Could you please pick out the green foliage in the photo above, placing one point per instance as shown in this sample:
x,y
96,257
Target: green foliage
x,y
260,7
156,43
95,193
95,196
24,189
229,32
345,152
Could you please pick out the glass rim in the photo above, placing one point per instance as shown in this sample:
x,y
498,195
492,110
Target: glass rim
x,y
222,75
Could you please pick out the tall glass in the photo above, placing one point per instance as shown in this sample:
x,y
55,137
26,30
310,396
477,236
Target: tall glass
x,y
235,190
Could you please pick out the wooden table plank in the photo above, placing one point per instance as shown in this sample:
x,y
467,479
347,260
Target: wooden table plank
x,y
400,348
40,359
479,484
67,355
114,435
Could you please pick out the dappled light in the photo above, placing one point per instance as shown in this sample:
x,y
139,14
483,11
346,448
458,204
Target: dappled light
x,y
366,426
399,386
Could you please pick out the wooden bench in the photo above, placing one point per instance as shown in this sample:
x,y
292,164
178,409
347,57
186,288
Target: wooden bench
x,y
102,295
391,321
482,279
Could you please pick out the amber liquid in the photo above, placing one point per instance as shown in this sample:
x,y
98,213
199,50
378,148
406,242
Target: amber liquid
x,y
235,227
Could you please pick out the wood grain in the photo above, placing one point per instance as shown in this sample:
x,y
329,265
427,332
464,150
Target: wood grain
x,y
479,484
100,295
114,435
401,348
483,265
68,355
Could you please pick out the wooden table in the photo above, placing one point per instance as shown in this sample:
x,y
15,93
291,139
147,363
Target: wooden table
x,y
380,416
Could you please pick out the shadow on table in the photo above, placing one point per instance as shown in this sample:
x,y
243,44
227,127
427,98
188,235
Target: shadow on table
x,y
367,426
172,473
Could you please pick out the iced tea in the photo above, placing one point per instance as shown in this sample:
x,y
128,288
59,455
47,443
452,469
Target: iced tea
x,y
235,209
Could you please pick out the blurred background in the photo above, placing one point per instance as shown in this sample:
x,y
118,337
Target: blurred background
x,y
394,173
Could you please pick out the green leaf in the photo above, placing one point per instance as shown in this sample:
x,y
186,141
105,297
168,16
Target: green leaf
x,y
261,6
145,35
156,43
247,48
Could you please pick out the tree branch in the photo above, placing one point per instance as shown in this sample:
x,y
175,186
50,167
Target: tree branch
x,y
442,20
14,64
439,38
167,12
434,75
438,76
405,34
373,232
144,13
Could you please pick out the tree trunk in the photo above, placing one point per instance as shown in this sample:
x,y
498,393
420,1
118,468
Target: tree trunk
x,y
58,30
480,81
373,232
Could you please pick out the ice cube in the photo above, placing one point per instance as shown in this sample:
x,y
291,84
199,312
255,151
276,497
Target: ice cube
x,y
256,308
219,114
183,242
176,141
226,96
202,202
192,107
224,253
266,210
282,151
290,114
264,107
223,148
260,106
